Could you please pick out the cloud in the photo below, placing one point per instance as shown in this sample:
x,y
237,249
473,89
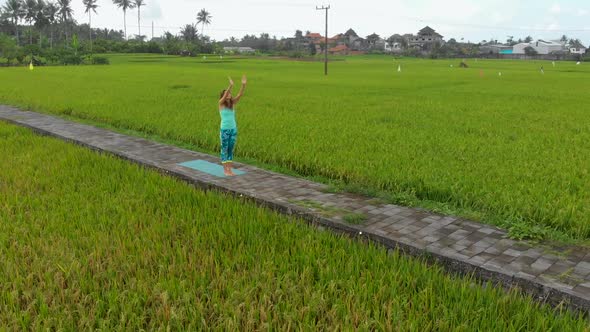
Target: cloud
x,y
555,9
448,9
500,17
153,10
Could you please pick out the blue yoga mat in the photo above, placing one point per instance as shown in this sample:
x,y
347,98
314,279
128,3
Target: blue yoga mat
x,y
209,168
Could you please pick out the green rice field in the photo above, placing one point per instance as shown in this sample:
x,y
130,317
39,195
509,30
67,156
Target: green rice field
x,y
511,149
91,242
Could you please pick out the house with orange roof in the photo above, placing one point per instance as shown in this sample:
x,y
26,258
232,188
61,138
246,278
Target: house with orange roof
x,y
338,39
339,50
314,36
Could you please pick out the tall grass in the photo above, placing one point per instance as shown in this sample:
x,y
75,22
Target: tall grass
x,y
513,148
88,241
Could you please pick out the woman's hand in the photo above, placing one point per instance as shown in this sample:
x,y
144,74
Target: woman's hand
x,y
231,82
244,79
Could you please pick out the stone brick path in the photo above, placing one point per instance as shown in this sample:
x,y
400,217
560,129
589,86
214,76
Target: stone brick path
x,y
552,275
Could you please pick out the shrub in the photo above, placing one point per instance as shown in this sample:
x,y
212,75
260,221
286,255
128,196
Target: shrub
x,y
296,54
71,59
153,47
37,60
100,60
8,49
32,49
99,49
53,56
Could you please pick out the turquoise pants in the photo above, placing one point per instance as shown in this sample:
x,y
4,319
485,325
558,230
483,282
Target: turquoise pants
x,y
228,142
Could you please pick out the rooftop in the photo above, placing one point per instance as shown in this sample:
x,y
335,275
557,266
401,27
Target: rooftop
x,y
428,31
314,35
338,48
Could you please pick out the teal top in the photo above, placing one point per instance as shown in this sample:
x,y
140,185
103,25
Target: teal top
x,y
228,119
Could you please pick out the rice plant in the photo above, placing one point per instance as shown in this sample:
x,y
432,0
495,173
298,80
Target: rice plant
x,y
88,241
510,149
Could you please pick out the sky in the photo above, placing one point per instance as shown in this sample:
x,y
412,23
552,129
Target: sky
x,y
468,19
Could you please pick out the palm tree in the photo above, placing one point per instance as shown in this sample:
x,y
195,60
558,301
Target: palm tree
x,y
204,17
50,13
90,6
15,10
125,5
41,20
564,39
30,15
139,4
65,13
189,33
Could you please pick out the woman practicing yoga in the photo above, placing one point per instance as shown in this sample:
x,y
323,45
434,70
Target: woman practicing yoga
x,y
229,129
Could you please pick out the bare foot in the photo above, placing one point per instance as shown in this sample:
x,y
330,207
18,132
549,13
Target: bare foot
x,y
228,173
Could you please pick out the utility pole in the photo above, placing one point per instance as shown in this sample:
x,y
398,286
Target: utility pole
x,y
326,42
152,30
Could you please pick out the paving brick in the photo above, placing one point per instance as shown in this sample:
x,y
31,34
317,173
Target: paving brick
x,y
452,227
457,247
484,243
493,251
445,241
445,231
582,268
525,275
472,251
532,253
559,268
486,230
584,291
512,252
431,239
465,242
542,264
459,234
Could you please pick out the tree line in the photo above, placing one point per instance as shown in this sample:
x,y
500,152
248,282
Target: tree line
x,y
47,16
44,28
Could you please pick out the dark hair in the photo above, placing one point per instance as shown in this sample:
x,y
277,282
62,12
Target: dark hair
x,y
227,103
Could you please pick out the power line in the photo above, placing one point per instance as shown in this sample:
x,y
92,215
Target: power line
x,y
410,18
160,27
275,4
425,21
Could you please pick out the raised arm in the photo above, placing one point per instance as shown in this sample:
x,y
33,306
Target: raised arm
x,y
242,89
227,91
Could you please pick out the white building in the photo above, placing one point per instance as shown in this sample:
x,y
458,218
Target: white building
x,y
519,48
393,48
239,49
547,47
381,44
542,47
578,50
576,47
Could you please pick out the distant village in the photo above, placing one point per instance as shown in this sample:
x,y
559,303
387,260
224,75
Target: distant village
x,y
426,42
